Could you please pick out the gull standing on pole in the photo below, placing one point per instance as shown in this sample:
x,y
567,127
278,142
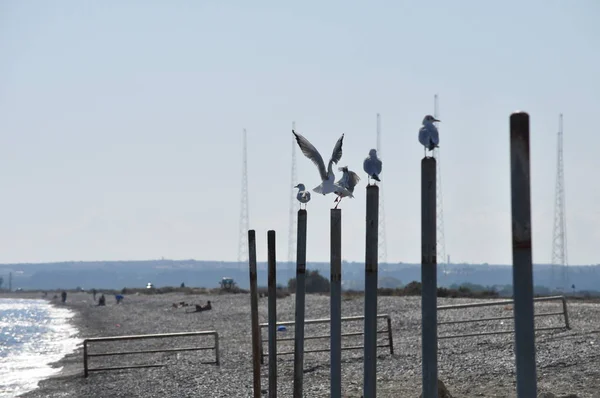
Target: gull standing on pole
x,y
328,184
372,165
303,195
428,134
349,180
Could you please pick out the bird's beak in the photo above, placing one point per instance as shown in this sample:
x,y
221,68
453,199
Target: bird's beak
x,y
435,120
296,186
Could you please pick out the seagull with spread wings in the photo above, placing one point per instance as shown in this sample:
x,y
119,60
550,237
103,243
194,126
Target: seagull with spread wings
x,y
328,184
349,180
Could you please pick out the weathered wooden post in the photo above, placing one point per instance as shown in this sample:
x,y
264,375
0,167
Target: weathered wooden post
x,y
300,305
371,272
272,308
336,303
256,339
429,278
85,358
522,259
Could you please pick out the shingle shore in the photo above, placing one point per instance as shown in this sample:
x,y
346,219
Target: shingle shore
x,y
470,367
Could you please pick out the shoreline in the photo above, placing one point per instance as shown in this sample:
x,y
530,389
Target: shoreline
x,y
72,363
68,367
475,367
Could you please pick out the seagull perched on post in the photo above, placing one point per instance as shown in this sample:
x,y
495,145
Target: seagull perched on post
x,y
328,184
303,195
349,180
428,134
372,165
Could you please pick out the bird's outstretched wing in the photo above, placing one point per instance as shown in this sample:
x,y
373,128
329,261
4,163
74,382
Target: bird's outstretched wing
x,y
311,152
349,178
353,179
336,155
343,181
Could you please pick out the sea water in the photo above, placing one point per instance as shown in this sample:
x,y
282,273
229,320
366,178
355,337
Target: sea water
x,y
33,334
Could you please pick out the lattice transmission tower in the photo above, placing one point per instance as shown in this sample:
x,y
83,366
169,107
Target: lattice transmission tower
x,y
294,206
559,236
244,217
441,240
382,249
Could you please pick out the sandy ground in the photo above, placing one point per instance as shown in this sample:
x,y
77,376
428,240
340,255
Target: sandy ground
x,y
567,360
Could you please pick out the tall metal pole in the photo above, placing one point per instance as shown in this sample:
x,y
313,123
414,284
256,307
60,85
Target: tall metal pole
x,y
336,303
522,258
244,207
559,236
371,271
382,242
300,295
429,278
441,240
256,339
272,307
293,205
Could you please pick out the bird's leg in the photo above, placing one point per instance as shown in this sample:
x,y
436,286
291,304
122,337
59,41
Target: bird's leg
x,y
369,180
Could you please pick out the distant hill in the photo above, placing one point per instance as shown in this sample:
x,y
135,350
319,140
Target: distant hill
x,y
120,274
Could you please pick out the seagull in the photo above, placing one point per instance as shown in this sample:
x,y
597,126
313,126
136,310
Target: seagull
x,y
428,134
303,195
349,180
328,184
372,165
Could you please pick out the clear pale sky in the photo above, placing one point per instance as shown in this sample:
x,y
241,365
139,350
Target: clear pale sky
x,y
121,122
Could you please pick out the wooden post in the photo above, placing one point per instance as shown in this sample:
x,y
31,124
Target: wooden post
x,y
256,339
522,258
371,272
336,303
429,278
272,286
300,305
85,358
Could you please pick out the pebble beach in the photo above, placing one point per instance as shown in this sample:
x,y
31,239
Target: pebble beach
x,y
567,360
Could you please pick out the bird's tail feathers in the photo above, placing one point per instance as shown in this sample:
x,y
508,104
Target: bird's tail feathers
x,y
375,177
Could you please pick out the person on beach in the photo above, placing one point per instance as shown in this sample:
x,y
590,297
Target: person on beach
x,y
102,300
94,293
119,298
205,308
63,296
